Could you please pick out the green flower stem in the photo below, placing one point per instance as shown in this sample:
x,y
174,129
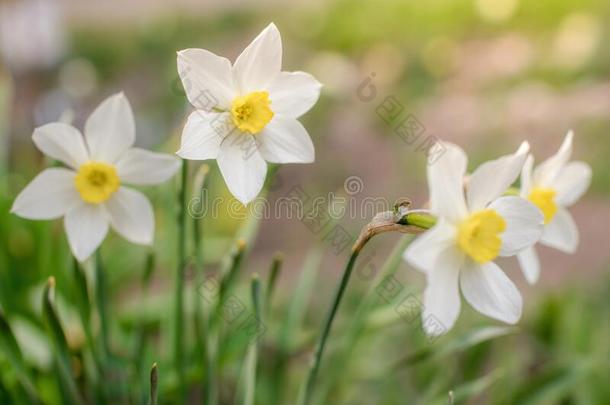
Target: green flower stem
x,y
420,220
179,283
252,355
101,303
199,184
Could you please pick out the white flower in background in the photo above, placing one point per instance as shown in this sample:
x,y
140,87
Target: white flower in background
x,y
90,194
474,226
553,186
246,113
31,34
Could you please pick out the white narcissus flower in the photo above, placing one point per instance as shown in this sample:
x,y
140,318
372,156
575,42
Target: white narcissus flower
x,y
474,226
553,186
90,194
246,113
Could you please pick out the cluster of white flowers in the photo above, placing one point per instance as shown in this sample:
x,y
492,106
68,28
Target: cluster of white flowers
x,y
245,116
479,220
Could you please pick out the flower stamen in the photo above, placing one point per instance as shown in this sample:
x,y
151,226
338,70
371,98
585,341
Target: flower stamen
x,y
544,199
479,235
252,112
96,181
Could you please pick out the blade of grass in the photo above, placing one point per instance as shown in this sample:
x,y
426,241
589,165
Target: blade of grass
x,y
179,282
102,305
226,282
292,322
11,350
468,391
457,344
154,377
84,309
252,354
141,340
58,338
276,267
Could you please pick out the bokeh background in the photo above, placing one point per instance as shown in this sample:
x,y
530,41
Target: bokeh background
x,y
485,74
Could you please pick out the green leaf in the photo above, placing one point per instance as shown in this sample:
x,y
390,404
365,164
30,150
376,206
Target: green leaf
x,y
11,349
58,337
457,344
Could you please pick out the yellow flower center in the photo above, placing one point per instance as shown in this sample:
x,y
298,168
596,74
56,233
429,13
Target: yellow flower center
x,y
96,181
544,199
252,112
479,235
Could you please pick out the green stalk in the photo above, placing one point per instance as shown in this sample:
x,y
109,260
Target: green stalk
x,y
213,343
179,283
152,400
415,219
359,318
276,267
292,322
100,298
199,184
252,355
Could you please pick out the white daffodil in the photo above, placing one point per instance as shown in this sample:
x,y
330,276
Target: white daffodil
x,y
246,113
90,194
475,225
553,186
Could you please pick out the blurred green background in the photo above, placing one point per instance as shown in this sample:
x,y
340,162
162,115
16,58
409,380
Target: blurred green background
x,y
481,73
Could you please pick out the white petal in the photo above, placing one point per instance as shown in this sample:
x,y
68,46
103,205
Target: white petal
x,y
530,264
131,215
547,171
442,297
62,142
293,93
50,195
260,62
423,252
242,166
203,134
493,178
526,176
561,233
207,79
445,182
572,182
140,166
524,223
86,226
491,292
285,140
110,130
